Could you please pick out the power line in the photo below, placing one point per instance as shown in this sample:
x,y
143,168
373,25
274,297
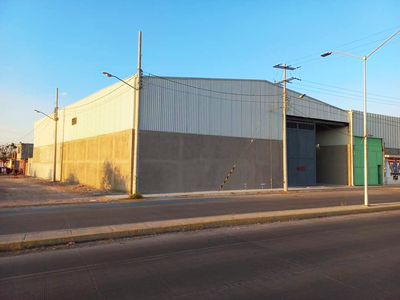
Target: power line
x,y
207,90
358,97
254,94
218,98
346,50
349,89
395,123
313,101
321,60
336,47
324,125
352,98
30,132
121,85
41,131
75,112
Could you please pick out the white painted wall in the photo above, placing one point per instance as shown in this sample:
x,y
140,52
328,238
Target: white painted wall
x,y
106,111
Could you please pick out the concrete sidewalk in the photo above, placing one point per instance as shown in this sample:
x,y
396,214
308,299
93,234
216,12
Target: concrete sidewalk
x,y
62,237
23,227
28,191
225,193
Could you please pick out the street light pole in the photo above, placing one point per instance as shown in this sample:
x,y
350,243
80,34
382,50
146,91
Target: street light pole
x,y
364,58
136,114
135,183
366,202
285,179
55,136
55,119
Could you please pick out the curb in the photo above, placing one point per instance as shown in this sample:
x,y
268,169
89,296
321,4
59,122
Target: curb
x,y
233,193
61,237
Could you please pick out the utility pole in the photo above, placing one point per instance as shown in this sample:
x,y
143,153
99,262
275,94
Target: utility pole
x,y
135,181
284,67
364,58
55,136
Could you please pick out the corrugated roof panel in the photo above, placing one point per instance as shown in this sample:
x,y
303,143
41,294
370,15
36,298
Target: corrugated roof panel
x,y
215,107
380,126
236,88
204,106
226,109
192,109
236,107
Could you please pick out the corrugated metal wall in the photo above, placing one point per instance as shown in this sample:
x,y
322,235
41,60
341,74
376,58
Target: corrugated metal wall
x,y
226,107
379,126
237,108
106,111
311,108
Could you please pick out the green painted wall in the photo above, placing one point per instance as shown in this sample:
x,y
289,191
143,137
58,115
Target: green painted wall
x,y
375,161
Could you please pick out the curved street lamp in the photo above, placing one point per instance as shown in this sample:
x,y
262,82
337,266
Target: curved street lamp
x,y
135,141
110,75
55,119
40,112
364,58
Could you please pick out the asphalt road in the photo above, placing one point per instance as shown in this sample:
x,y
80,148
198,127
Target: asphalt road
x,y
44,218
350,257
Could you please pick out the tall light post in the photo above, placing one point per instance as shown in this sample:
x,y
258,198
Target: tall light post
x,y
135,140
284,101
55,119
364,58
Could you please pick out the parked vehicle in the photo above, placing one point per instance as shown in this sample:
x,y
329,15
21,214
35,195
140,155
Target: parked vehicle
x,y
5,170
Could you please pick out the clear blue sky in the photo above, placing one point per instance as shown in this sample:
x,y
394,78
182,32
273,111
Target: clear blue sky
x,y
67,44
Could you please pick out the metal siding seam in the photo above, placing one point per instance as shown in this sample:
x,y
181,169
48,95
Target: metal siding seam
x,y
209,107
247,110
226,110
215,111
238,110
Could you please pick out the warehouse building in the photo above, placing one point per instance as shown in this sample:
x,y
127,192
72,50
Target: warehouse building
x,y
193,131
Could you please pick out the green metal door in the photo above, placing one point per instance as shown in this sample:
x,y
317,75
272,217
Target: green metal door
x,y
375,160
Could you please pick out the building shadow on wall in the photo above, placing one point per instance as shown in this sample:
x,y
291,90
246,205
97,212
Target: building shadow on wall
x,y
112,178
72,178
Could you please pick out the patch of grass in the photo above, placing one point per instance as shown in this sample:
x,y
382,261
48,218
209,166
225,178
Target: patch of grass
x,y
135,196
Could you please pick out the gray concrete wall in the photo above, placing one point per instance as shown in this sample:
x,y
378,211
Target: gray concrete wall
x,y
102,161
332,165
176,162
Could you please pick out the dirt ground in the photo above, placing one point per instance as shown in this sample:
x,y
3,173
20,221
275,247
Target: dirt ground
x,y
28,191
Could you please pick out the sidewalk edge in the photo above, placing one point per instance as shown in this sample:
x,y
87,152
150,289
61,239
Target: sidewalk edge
x,y
189,226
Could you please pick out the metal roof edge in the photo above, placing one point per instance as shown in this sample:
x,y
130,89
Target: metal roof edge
x,y
236,79
375,114
206,78
106,87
